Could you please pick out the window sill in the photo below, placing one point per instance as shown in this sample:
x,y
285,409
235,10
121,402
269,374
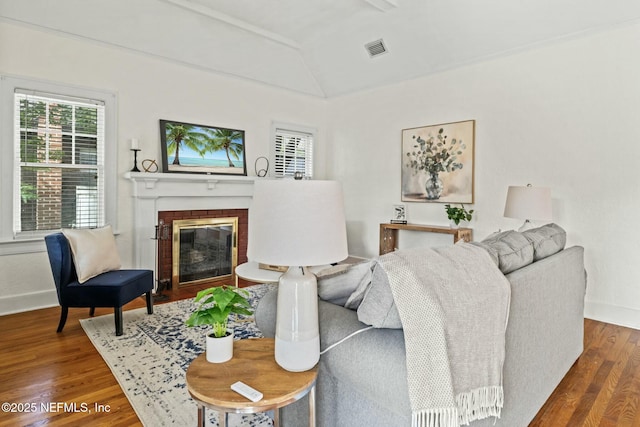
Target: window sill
x,y
26,246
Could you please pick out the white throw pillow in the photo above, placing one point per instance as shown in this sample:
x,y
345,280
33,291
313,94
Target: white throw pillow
x,y
337,283
94,251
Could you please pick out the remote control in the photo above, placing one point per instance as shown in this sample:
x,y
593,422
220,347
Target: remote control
x,y
250,393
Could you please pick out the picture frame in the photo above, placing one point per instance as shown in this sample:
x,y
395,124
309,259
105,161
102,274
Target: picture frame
x,y
193,148
438,163
399,214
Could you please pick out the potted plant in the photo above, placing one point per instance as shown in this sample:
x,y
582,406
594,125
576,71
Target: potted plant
x,y
215,306
456,215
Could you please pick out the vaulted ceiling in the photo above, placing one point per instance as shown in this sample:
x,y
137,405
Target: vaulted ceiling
x,y
317,46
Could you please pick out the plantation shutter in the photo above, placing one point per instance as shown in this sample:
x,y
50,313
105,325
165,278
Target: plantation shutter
x,y
59,163
293,153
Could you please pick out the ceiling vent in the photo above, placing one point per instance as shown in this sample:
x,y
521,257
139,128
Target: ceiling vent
x,y
376,48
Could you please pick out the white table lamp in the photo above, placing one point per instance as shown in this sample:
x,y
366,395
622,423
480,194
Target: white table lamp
x,y
297,223
528,203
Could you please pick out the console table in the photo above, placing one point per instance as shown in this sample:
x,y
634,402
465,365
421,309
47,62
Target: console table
x,y
389,234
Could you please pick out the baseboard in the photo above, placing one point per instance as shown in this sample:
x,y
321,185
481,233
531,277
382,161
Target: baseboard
x,y
27,302
623,316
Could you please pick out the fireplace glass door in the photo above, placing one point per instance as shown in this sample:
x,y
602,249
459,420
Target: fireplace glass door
x,y
204,250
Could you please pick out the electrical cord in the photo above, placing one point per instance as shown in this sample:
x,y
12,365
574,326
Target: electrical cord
x,y
345,338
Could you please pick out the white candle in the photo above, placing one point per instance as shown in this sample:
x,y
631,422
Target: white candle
x,y
134,143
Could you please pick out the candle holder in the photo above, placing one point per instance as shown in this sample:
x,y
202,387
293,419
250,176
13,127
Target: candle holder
x,y
135,160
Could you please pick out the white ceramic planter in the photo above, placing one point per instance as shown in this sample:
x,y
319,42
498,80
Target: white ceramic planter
x,y
219,350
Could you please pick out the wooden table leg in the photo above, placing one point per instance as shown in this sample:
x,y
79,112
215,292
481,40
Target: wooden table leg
x,y
388,239
276,417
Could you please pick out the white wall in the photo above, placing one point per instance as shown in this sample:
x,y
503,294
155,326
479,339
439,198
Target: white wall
x,y
563,116
148,89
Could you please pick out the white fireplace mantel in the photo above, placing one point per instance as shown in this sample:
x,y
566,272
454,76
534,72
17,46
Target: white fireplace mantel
x,y
155,192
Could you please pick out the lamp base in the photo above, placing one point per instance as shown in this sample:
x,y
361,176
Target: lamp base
x,y
297,343
297,356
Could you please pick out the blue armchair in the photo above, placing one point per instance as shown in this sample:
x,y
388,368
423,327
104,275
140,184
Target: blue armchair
x,y
110,289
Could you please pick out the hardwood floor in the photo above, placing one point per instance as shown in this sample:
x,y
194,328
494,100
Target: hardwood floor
x,y
39,366
603,386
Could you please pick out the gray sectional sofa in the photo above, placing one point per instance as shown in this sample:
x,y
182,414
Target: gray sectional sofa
x,y
362,381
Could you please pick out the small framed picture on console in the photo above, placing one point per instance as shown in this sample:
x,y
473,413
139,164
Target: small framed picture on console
x,y
399,214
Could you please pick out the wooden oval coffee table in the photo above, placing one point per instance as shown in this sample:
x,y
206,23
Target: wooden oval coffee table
x,y
254,364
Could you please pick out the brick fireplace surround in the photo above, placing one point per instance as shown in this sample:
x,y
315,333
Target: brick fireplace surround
x,y
165,247
154,193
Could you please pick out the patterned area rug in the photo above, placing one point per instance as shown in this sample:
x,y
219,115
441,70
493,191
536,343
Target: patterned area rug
x,y
151,359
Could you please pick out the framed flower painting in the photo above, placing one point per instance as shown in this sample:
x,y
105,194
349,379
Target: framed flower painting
x,y
437,163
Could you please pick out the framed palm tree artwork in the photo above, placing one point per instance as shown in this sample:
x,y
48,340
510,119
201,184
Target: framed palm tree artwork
x,y
191,148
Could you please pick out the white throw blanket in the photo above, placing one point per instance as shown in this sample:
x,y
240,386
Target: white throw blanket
x,y
454,305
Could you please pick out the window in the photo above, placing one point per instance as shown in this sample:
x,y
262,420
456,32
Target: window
x,y
58,141
59,146
292,150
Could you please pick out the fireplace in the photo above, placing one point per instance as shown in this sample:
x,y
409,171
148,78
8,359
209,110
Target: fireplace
x,y
201,246
157,196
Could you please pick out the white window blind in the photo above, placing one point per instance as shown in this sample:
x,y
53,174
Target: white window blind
x,y
293,152
59,162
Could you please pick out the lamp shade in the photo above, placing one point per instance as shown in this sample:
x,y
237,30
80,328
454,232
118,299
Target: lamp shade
x,y
528,203
297,222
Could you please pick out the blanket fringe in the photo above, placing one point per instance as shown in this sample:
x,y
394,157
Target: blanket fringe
x,y
442,417
480,403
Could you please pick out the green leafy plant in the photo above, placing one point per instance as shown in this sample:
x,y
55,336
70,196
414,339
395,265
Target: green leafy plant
x,y
436,154
458,214
215,306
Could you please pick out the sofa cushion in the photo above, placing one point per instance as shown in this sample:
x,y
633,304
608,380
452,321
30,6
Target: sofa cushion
x,y
377,307
94,251
546,240
337,283
510,250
